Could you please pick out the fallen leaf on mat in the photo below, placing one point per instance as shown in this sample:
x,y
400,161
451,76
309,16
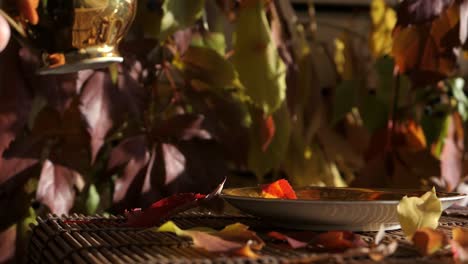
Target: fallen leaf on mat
x,y
427,240
459,245
417,212
234,239
167,207
294,243
338,241
379,252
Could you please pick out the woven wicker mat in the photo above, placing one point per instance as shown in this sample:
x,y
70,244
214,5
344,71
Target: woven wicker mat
x,y
74,239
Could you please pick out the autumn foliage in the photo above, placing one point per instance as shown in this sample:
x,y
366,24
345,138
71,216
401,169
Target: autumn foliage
x,y
210,89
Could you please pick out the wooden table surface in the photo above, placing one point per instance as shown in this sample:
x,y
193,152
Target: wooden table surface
x,y
75,239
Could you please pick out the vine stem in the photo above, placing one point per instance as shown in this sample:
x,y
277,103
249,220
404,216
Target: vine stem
x,y
392,115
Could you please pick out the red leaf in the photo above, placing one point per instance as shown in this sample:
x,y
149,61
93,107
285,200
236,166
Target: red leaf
x,y
56,187
278,189
166,207
268,131
338,241
162,209
291,241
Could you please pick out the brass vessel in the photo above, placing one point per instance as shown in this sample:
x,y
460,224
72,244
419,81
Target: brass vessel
x,y
73,35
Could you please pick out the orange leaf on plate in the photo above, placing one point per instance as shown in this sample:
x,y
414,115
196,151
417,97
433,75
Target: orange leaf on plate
x,y
279,189
428,241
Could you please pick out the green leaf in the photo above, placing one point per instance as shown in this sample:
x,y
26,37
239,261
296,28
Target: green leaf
x,y
415,213
114,73
374,112
256,59
93,199
261,161
214,41
385,67
344,99
179,14
435,129
209,67
457,86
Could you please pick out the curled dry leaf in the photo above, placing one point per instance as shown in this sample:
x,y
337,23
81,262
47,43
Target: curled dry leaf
x,y
417,212
427,240
167,207
338,241
234,239
293,243
459,244
378,253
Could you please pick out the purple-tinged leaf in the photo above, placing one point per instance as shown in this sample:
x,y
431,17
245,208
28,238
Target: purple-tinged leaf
x,y
133,155
15,99
420,11
182,127
56,187
293,243
7,245
451,158
98,109
225,119
190,166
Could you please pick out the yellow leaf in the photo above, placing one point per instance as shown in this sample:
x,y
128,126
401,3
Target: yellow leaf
x,y
256,59
417,212
383,21
171,227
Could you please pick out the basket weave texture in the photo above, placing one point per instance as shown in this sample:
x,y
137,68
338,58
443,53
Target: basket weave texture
x,y
75,239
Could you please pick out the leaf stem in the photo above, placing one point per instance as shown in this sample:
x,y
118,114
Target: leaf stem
x,y
392,114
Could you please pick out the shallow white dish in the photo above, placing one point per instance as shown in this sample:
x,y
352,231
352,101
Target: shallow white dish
x,y
328,208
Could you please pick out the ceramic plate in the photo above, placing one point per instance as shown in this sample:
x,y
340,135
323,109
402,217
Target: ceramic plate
x,y
328,208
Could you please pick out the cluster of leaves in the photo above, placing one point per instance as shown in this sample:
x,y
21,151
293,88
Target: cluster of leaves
x,y
208,87
418,217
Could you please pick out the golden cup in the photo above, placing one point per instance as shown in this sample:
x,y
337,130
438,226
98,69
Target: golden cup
x,y
74,35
